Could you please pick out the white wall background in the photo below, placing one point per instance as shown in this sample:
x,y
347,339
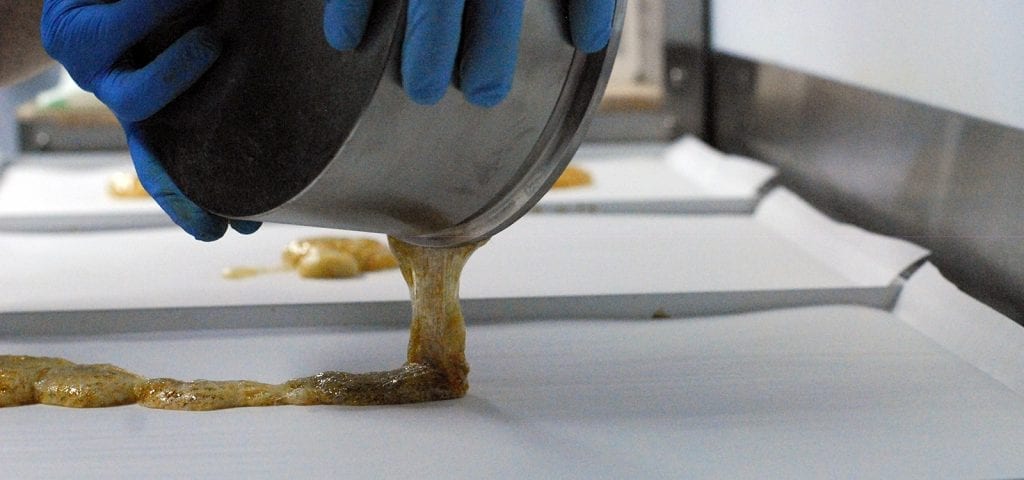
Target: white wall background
x,y
962,55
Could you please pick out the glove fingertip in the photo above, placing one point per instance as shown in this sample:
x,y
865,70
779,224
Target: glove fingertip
x,y
208,235
591,23
204,227
204,47
341,39
340,36
207,39
488,97
591,41
183,212
245,227
345,23
425,94
201,225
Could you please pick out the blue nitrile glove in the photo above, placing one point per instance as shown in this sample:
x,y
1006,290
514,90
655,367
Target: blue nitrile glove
x,y
489,43
90,37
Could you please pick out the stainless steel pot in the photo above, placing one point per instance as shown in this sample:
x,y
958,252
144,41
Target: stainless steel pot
x,y
284,129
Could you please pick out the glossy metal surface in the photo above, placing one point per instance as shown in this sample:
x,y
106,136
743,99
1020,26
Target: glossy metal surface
x,y
946,181
335,142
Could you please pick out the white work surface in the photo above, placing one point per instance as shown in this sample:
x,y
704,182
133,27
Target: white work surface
x,y
819,392
555,266
68,193
570,378
687,176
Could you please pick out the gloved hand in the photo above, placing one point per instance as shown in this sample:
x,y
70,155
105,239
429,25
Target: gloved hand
x,y
90,38
489,43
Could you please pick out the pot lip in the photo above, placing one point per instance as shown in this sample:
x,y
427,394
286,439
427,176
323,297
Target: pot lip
x,y
562,136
